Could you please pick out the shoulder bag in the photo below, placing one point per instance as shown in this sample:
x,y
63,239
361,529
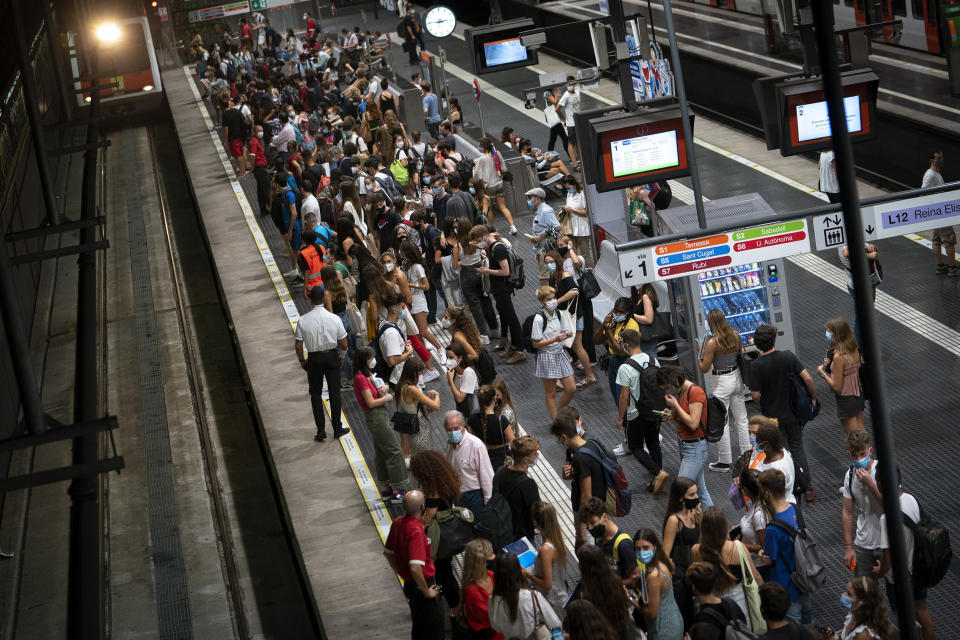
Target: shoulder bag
x,y
751,591
450,531
540,629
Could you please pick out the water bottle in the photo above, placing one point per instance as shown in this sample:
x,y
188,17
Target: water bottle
x,y
556,634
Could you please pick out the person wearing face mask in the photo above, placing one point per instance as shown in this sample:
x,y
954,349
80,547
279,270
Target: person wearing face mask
x,y
477,580
570,301
462,378
609,333
546,228
373,396
460,204
778,546
583,470
549,575
547,335
394,346
407,549
769,443
861,543
663,619
576,208
258,159
511,334
491,427
616,545
514,483
568,105
687,407
413,400
285,135
681,530
841,370
867,614
467,454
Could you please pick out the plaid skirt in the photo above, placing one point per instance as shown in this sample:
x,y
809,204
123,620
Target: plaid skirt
x,y
553,366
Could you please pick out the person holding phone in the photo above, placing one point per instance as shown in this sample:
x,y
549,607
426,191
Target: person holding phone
x,y
547,335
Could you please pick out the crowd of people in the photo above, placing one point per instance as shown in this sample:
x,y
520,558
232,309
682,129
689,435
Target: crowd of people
x,y
383,224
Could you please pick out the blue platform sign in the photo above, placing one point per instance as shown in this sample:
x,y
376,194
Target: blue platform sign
x,y
912,215
605,6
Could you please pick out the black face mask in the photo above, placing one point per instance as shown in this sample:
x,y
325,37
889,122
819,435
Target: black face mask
x,y
563,250
691,503
597,531
490,564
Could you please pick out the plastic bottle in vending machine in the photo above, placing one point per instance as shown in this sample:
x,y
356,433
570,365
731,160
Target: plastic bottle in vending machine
x,y
703,289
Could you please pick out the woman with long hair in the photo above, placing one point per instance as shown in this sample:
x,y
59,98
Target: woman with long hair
x,y
478,192
585,622
411,399
550,566
504,403
728,558
687,407
373,400
515,610
463,331
352,206
720,354
416,276
868,617
335,300
489,168
646,301
681,530
841,370
462,378
601,586
477,583
467,258
568,299
396,280
492,428
753,524
663,618
449,277
576,208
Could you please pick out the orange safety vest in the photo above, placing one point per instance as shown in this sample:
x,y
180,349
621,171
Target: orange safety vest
x,y
313,255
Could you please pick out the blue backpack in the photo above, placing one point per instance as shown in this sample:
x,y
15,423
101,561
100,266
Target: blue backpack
x,y
618,498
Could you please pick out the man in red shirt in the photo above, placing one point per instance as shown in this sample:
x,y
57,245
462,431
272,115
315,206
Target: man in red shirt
x,y
246,32
259,160
311,25
408,551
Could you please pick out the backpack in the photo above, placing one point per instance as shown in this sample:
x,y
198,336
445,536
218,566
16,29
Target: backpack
x,y
495,523
486,368
389,185
618,496
652,397
516,278
809,573
716,419
402,28
297,197
803,407
732,629
661,195
465,169
382,369
231,71
527,331
931,550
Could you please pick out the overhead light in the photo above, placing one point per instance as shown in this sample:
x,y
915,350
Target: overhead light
x,y
108,33
148,87
88,99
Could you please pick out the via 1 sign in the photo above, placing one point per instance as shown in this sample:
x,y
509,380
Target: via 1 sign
x,y
911,215
705,253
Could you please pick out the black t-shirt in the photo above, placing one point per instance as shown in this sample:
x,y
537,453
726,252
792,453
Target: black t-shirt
x,y
772,376
626,562
233,119
727,608
585,466
498,252
789,632
566,285
521,492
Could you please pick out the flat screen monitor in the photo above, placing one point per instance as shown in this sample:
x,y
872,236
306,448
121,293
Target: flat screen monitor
x,y
501,52
813,121
638,149
644,153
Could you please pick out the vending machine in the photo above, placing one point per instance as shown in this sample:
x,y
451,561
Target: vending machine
x,y
748,294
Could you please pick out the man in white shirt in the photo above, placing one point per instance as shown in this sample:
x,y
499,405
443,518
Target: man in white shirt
x,y
309,203
319,333
285,135
944,236
468,456
862,498
570,104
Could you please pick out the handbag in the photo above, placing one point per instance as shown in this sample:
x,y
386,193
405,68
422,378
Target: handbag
x,y
540,629
450,531
751,592
567,321
588,285
566,224
357,324
408,423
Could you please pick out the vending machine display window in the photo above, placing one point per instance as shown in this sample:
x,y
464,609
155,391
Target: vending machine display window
x,y
740,293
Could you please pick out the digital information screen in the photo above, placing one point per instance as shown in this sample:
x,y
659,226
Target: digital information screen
x,y
500,52
644,153
813,122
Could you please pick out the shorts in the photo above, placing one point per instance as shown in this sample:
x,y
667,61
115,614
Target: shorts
x,y
849,406
572,135
295,240
919,594
542,271
945,236
236,148
553,366
580,323
494,191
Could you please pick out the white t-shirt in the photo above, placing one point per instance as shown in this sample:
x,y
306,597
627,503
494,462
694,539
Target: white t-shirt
x,y
467,382
752,521
348,209
310,205
374,88
570,101
828,176
552,329
785,465
580,224
392,343
867,508
628,376
931,178
910,508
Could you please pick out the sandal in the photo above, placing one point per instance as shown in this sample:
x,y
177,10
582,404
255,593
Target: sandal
x,y
586,382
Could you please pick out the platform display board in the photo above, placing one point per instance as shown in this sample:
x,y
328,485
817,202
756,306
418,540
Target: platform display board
x,y
637,148
498,47
713,254
912,215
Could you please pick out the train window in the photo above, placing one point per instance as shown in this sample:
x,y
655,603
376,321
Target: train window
x,y
899,7
885,9
932,12
916,7
128,56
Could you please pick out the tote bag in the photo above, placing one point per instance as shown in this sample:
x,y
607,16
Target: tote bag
x,y
751,592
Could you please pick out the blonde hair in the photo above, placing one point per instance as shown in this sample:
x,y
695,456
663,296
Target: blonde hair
x,y
762,421
727,338
475,556
523,446
545,517
844,341
544,292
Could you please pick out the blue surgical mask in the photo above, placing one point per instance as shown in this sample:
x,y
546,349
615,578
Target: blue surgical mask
x,y
579,430
532,463
530,203
758,448
455,436
753,442
846,601
571,191
426,179
619,319
436,191
862,463
551,266
646,556
829,336
403,314
473,191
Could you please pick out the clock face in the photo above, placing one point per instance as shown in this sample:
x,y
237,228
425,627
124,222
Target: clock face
x,y
439,21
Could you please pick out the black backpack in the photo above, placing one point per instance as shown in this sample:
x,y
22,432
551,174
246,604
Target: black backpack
x,y
382,368
495,523
661,195
652,397
486,368
465,169
716,419
931,550
231,71
527,331
516,278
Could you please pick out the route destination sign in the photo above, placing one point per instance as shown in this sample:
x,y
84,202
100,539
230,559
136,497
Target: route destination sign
x,y
911,215
694,255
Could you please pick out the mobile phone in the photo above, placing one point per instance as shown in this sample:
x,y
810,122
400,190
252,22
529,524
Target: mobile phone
x,y
660,412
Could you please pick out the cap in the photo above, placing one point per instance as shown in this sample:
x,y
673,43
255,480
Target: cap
x,y
537,191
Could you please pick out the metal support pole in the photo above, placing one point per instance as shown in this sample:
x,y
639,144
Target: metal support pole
x,y
53,41
684,113
443,92
863,300
85,578
618,27
29,84
19,346
483,129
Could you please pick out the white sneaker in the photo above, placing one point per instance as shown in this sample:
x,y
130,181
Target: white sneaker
x,y
293,274
484,340
444,323
513,230
621,449
430,376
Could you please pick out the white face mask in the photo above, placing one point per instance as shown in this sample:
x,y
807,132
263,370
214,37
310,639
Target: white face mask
x,y
372,363
550,305
259,134
451,364
420,380
400,145
388,266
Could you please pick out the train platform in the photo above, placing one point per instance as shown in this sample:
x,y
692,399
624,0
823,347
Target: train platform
x,y
329,498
